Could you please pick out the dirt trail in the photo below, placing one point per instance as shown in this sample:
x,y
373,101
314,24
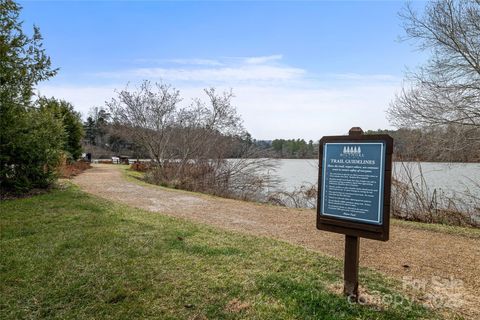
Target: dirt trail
x,y
418,254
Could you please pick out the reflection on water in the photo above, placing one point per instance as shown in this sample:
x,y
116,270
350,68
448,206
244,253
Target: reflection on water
x,y
452,178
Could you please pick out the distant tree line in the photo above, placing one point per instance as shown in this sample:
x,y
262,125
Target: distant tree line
x,y
445,144
287,148
433,144
103,140
293,148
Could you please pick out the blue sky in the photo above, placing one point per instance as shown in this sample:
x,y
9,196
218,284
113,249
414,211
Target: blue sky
x,y
298,69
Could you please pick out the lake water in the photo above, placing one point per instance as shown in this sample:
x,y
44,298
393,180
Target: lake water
x,y
451,178
454,179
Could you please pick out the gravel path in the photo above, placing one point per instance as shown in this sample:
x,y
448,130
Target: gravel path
x,y
417,254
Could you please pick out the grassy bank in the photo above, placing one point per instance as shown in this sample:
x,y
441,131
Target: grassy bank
x,y
70,255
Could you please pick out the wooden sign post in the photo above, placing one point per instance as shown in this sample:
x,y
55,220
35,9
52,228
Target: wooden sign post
x,y
354,183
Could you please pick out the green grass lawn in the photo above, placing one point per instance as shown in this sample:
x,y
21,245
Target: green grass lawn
x,y
70,255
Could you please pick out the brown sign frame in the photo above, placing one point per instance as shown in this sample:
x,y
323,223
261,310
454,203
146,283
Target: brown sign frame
x,y
354,228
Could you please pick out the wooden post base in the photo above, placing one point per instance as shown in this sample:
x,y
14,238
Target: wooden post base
x,y
350,269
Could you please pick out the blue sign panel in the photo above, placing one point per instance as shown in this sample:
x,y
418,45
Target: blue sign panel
x,y
352,181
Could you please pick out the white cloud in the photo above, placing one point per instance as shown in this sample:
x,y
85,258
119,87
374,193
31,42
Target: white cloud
x,y
263,59
199,62
231,70
310,113
82,97
192,61
365,77
275,100
240,73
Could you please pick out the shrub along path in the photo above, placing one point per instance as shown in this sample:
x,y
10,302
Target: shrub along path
x,y
445,264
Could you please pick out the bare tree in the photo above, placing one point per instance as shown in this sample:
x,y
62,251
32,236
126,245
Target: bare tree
x,y
413,199
148,116
446,90
190,145
202,127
